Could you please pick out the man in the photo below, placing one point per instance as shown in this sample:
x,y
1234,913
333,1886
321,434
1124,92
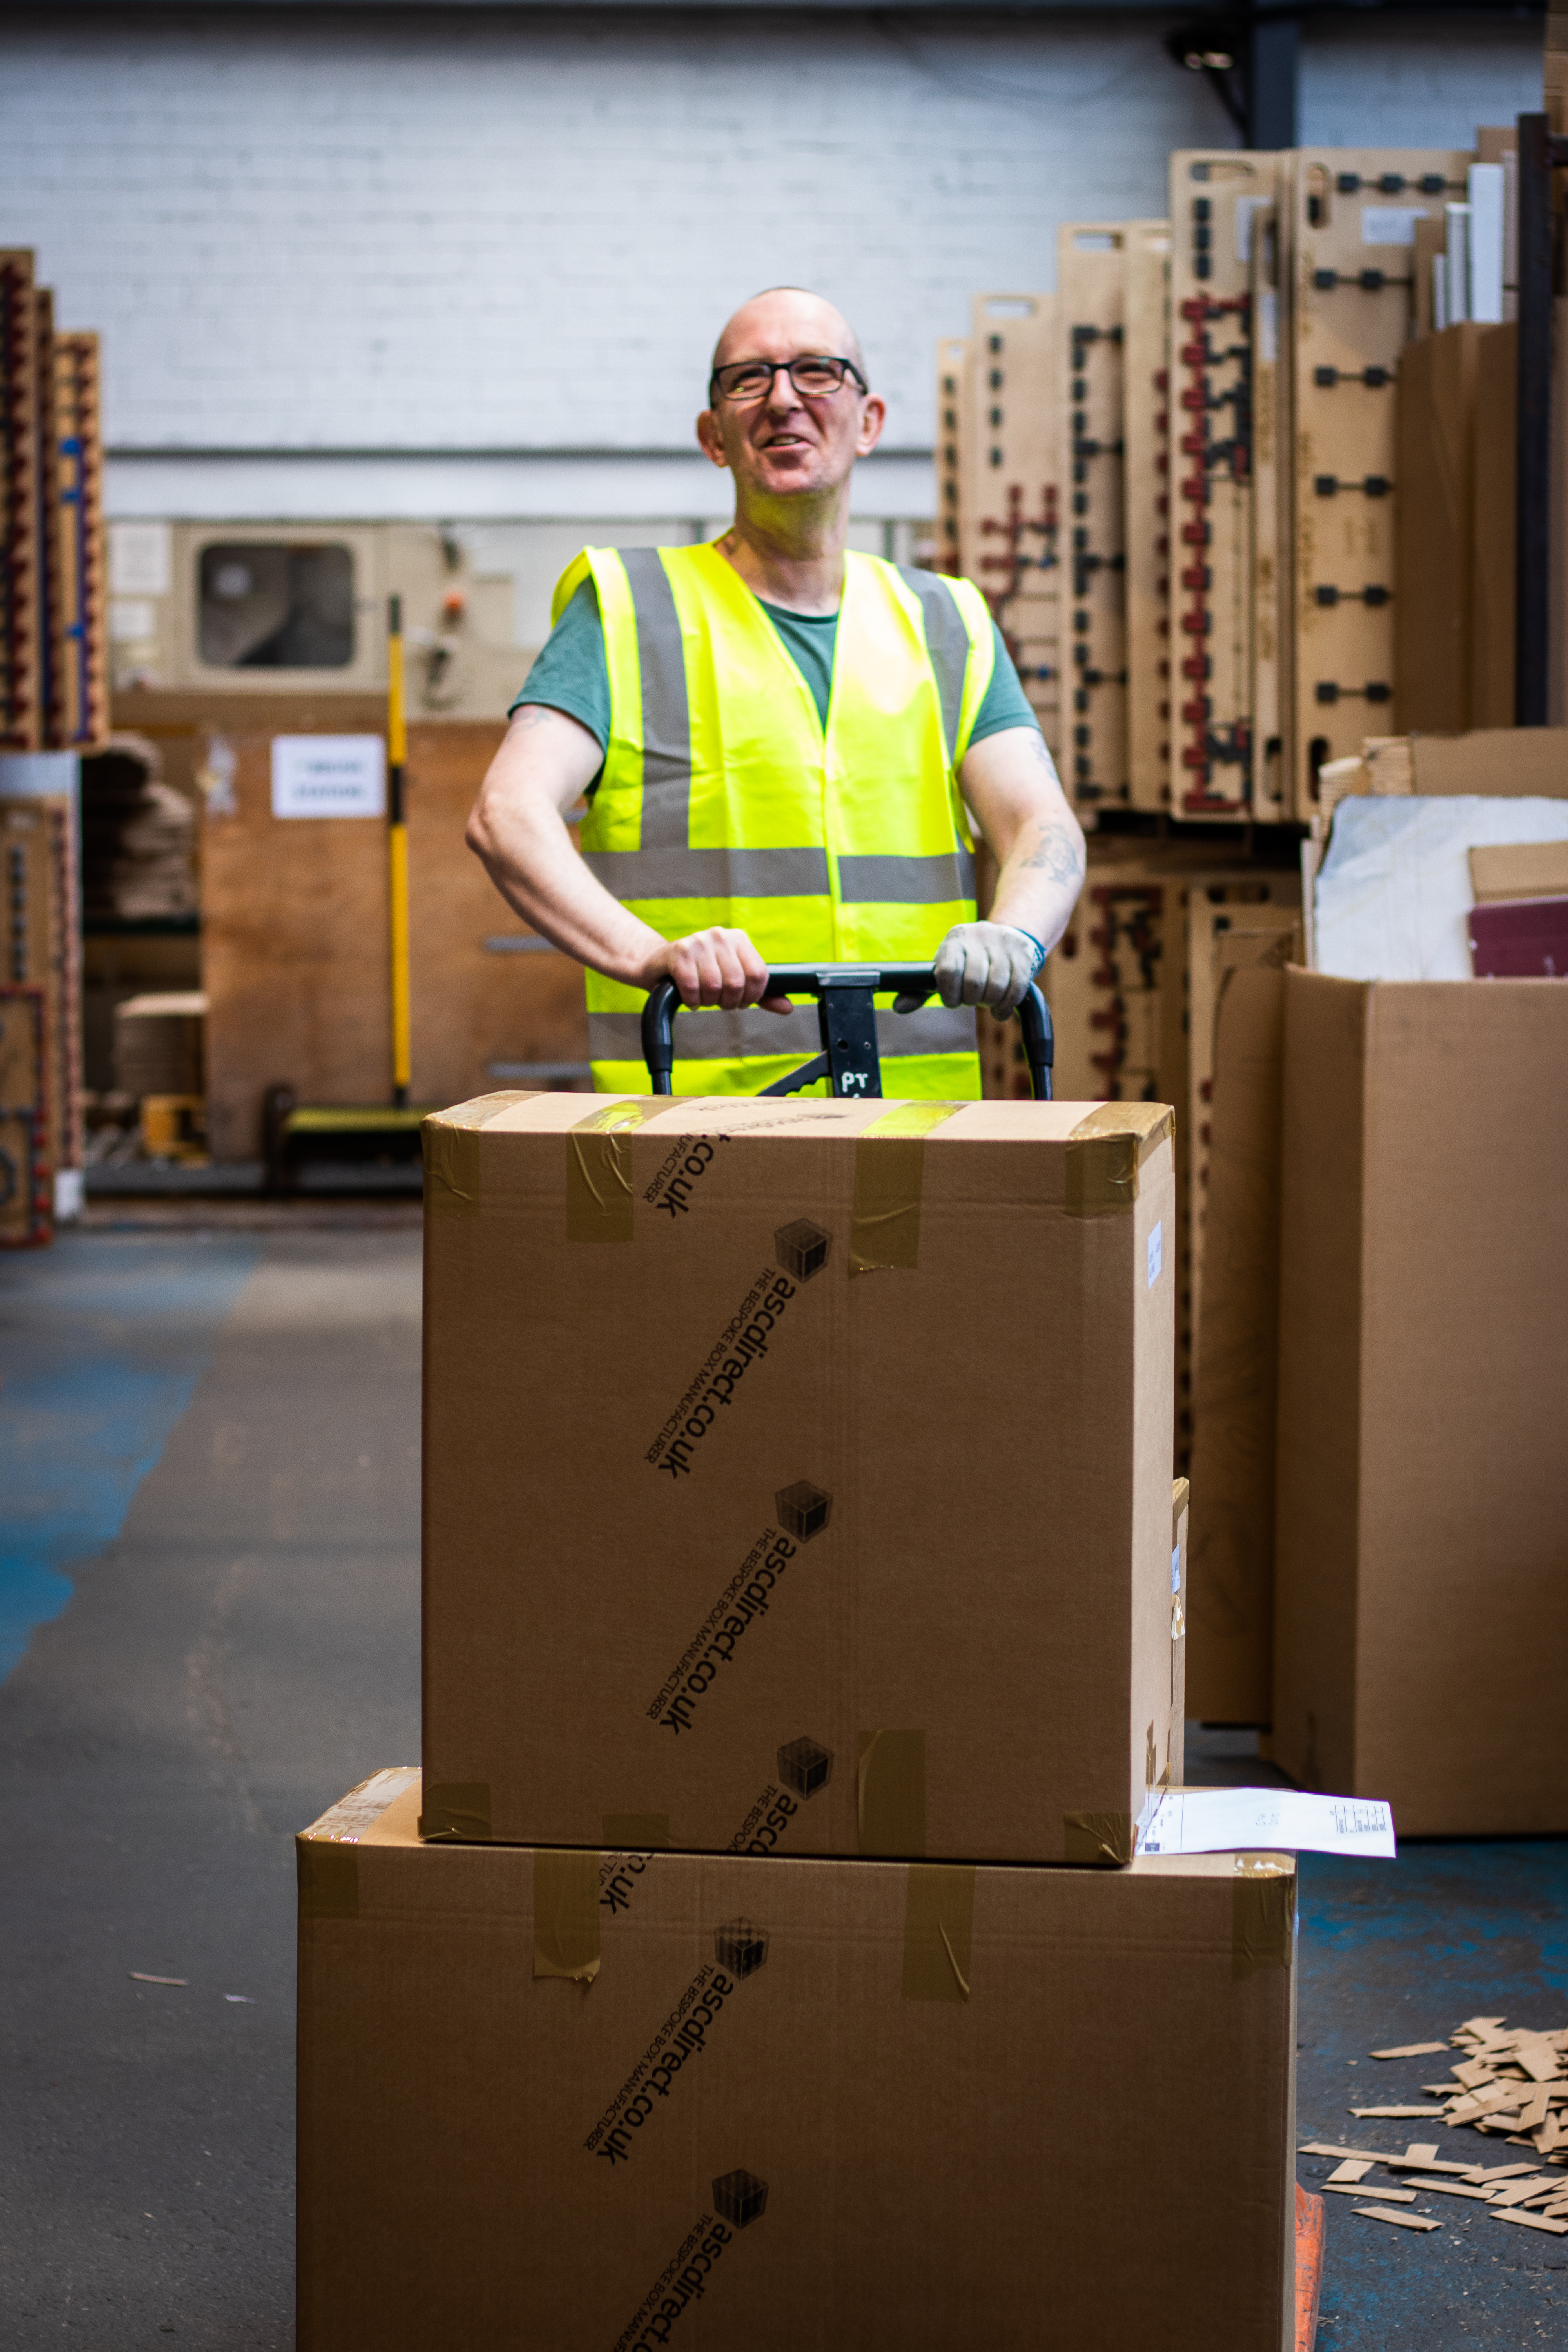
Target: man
x,y
779,743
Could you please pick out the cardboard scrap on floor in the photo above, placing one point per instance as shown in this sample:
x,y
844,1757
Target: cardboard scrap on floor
x,y
1509,2079
1512,2079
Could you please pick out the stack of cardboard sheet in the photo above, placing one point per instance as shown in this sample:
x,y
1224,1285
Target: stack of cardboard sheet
x,y
138,838
761,1956
40,968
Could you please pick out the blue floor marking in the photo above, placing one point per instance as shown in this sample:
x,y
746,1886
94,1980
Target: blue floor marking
x,y
102,1340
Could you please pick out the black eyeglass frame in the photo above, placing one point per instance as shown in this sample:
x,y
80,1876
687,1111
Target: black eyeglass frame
x,y
787,367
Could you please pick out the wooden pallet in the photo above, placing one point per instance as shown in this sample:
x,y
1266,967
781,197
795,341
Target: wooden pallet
x,y
1353,214
1145,350
21,713
78,716
953,432
1226,756
40,946
26,1202
1009,495
1091,280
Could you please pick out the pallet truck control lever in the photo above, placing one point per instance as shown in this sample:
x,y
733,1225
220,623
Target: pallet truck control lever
x,y
848,1021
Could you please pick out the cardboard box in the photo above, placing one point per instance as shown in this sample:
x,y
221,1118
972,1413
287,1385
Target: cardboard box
x,y
798,1475
1230,1607
1435,464
1422,1608
1496,493
619,2101
1526,869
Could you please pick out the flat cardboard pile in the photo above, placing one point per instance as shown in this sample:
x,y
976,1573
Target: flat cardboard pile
x,y
760,1957
1509,2079
562,2099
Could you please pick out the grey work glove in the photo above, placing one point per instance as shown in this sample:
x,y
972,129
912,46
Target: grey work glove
x,y
983,963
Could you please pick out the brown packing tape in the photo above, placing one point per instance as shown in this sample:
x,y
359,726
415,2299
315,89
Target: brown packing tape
x,y
1105,1839
1105,1151
1263,1915
939,1930
636,1833
329,1879
565,1914
599,1170
1181,1497
891,1794
451,1147
889,1174
457,1810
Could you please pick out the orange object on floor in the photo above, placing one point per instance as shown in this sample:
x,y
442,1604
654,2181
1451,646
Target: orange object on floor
x,y
1308,2266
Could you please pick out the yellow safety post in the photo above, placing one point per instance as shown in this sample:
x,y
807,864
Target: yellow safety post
x,y
397,851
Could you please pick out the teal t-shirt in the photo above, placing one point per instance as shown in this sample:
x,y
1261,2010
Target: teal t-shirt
x,y
572,675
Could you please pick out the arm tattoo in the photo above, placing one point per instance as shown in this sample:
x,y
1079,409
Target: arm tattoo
x,y
1056,854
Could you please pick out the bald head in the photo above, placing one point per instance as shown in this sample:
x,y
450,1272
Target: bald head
x,y
788,315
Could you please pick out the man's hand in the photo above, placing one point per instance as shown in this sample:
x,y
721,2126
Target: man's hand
x,y
983,963
716,967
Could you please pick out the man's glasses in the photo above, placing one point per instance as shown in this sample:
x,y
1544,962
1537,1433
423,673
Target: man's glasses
x,y
751,380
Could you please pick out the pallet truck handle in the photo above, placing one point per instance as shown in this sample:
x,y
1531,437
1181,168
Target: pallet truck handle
x,y
908,979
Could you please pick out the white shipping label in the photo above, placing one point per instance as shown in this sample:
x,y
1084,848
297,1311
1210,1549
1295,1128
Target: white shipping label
x,y
1295,1820
1176,1569
141,559
1156,1254
1267,327
329,775
1391,223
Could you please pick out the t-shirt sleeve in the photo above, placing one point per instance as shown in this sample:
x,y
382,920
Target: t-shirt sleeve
x,y
571,673
1005,704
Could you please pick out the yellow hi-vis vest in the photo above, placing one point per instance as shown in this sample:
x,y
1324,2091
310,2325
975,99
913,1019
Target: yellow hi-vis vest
x,y
725,801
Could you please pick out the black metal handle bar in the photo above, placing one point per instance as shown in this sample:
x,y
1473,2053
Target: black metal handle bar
x,y
844,992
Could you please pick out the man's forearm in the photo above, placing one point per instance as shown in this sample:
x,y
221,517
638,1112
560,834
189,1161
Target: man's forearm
x,y
1041,877
1043,863
520,836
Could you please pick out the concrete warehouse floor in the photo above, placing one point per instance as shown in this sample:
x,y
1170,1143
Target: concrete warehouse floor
x,y
208,1603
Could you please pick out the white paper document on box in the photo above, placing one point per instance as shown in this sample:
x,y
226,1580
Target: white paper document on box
x,y
1222,1821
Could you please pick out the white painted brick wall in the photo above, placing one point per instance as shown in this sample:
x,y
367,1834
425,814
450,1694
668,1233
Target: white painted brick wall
x,y
443,231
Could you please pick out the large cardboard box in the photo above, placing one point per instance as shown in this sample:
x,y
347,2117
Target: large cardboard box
x,y
1422,1533
1435,525
591,2103
1230,1606
1492,635
798,1475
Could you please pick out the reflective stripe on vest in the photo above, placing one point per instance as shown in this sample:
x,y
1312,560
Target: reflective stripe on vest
x,y
724,802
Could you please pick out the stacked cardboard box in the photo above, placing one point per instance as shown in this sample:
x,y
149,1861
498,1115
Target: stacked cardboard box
x,y
762,1956
1378,1574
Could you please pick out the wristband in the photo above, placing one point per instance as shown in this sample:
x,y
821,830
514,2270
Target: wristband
x,y
1034,943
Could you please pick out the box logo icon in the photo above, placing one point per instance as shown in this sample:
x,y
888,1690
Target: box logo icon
x,y
804,1510
740,2197
802,1249
739,1947
805,1766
